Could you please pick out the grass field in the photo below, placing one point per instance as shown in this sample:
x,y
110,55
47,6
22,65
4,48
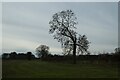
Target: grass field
x,y
41,69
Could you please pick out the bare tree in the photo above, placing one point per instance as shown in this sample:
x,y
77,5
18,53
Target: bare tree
x,y
42,51
62,26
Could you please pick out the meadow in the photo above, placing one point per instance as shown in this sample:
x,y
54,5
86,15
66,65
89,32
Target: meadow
x,y
42,69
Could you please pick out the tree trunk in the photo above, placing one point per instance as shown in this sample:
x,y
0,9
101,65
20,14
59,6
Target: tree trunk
x,y
74,54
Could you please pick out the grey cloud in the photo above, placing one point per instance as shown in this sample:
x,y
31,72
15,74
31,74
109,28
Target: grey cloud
x,y
29,22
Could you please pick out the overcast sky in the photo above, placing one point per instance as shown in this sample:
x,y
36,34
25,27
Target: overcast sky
x,y
26,25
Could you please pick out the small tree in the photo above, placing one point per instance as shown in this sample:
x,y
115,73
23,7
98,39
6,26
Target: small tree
x,y
117,50
42,51
13,55
5,56
29,55
63,27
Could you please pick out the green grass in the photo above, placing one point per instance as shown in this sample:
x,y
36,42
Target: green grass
x,y
41,69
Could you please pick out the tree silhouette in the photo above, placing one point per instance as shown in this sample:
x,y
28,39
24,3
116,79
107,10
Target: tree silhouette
x,y
13,55
63,27
29,55
42,51
5,56
117,50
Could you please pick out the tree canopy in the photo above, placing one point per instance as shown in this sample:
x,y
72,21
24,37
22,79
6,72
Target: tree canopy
x,y
63,26
42,51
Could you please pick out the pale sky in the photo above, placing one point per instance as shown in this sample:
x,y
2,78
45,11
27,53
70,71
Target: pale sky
x,y
26,25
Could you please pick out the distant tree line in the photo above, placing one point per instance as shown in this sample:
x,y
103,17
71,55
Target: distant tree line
x,y
14,55
43,54
100,58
